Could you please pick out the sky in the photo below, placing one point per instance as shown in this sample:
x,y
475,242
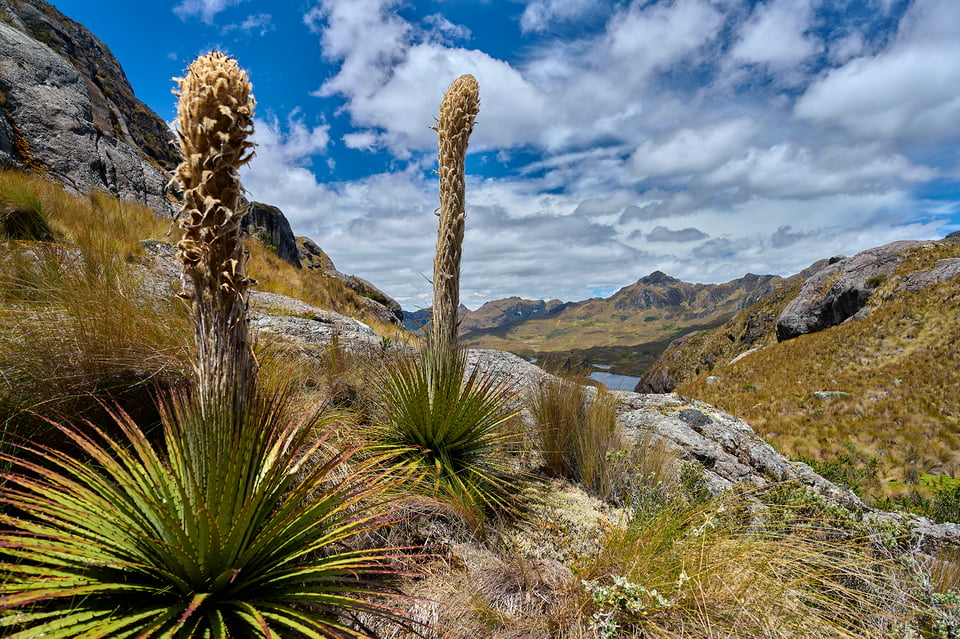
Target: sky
x,y
703,138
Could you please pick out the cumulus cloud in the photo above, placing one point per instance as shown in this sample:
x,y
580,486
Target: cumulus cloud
x,y
688,150
778,35
906,91
623,148
444,31
789,170
539,15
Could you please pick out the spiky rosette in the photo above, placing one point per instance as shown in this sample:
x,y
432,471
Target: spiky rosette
x,y
458,111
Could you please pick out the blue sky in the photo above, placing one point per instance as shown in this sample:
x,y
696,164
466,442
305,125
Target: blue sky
x,y
703,138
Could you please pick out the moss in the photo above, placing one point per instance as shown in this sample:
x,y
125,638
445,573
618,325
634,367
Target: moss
x,y
23,152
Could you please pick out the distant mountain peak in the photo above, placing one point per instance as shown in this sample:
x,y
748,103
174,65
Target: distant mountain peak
x,y
658,278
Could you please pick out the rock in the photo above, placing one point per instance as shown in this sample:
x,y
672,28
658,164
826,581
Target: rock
x,y
826,396
712,379
656,380
837,292
67,110
942,271
269,225
312,256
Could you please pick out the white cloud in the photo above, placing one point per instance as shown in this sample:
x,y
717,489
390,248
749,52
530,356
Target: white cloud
x,y
205,9
643,155
777,35
392,74
644,39
849,47
907,91
788,170
366,37
444,31
262,23
694,150
539,15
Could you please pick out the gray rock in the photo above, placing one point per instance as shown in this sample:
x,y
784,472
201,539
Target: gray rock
x,y
837,292
826,396
942,271
69,112
269,225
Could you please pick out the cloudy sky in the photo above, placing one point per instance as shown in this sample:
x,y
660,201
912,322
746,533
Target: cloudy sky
x,y
702,138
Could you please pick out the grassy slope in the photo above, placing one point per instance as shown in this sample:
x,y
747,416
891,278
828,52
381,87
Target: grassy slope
x,y
75,319
898,366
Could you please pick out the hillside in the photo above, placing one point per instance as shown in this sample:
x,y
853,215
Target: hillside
x,y
627,330
881,386
700,351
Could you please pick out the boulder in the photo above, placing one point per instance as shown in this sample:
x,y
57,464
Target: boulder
x,y
839,291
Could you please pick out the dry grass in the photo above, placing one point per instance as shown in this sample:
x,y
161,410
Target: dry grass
x,y
577,435
78,321
715,570
273,275
896,372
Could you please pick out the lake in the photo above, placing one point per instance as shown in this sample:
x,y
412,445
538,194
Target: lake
x,y
615,382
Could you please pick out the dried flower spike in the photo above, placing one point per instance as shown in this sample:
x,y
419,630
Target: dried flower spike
x,y
214,122
458,110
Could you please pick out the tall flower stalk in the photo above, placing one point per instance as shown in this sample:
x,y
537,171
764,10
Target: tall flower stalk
x,y
214,121
458,110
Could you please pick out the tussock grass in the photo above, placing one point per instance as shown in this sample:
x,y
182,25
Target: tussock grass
x,y
78,318
576,432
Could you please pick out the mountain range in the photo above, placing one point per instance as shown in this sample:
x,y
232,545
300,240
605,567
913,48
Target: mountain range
x,y
626,331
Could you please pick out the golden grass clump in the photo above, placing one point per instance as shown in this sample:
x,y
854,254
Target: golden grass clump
x,y
458,110
214,120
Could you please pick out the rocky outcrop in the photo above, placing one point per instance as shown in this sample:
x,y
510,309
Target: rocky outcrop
x,y
67,110
270,226
312,256
943,270
839,291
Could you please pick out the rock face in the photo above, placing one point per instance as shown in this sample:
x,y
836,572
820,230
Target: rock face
x,y
67,109
839,291
269,225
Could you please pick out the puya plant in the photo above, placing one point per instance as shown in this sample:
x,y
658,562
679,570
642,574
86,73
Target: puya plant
x,y
239,524
214,122
437,418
